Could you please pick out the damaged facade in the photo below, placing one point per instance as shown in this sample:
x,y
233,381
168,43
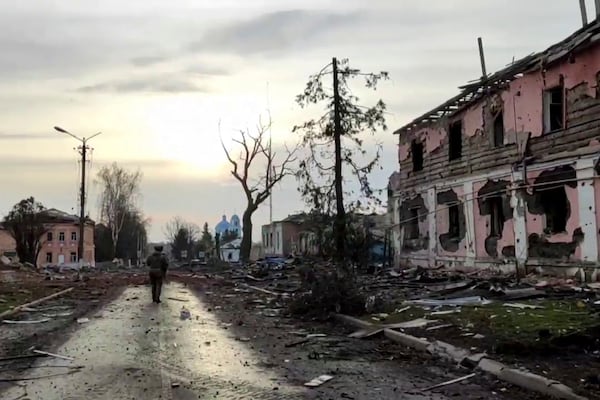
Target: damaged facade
x,y
59,244
507,172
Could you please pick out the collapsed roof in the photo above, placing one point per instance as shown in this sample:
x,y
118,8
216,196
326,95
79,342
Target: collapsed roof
x,y
473,91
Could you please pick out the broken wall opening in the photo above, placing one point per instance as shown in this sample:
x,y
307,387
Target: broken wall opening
x,y
417,149
455,140
411,229
411,212
499,130
457,227
494,201
554,202
550,201
554,109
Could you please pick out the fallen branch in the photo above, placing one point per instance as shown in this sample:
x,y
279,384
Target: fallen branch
x,y
33,303
448,383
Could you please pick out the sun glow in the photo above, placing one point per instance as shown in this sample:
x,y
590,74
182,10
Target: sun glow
x,y
184,130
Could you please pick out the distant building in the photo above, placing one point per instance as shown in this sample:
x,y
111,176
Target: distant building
x,y
230,252
229,226
296,234
59,244
281,238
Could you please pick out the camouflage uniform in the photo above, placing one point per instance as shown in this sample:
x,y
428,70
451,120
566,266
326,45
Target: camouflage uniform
x,y
158,269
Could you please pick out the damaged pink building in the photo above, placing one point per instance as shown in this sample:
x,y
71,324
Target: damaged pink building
x,y
505,174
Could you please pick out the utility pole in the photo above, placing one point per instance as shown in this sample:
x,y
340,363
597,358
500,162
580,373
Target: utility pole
x,y
584,18
82,149
340,218
482,58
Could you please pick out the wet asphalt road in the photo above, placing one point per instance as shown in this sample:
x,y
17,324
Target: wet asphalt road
x,y
134,349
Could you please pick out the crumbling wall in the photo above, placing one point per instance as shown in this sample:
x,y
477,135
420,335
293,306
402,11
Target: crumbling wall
x,y
580,76
597,197
547,244
405,215
488,245
448,243
524,94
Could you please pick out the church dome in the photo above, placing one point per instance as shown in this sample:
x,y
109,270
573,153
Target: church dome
x,y
223,225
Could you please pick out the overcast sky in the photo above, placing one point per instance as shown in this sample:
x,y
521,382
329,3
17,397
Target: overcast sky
x,y
159,77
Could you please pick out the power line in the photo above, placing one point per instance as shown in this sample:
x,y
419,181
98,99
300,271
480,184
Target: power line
x,y
547,186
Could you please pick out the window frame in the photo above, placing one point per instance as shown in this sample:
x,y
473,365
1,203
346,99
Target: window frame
x,y
455,152
454,230
498,139
547,103
418,163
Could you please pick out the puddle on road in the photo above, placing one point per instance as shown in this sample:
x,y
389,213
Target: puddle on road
x,y
136,349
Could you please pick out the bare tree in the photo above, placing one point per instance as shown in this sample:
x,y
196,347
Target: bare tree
x,y
120,191
257,158
182,235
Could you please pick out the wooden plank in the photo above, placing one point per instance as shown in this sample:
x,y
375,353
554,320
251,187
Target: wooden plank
x,y
33,303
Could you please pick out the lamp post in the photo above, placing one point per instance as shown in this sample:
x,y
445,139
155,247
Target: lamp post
x,y
83,148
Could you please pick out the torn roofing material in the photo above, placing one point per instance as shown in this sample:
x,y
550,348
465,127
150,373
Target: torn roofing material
x,y
473,91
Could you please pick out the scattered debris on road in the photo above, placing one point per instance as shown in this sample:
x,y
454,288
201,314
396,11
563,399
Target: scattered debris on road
x,y
451,382
54,355
319,381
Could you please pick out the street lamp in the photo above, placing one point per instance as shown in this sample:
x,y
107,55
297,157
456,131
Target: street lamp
x,y
82,150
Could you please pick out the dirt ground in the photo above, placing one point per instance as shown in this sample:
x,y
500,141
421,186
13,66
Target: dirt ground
x,y
297,350
362,368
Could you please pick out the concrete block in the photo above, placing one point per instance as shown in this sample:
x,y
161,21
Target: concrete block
x,y
538,384
354,322
407,340
448,351
491,367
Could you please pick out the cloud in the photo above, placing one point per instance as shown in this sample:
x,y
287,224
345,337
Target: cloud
x,y
272,32
146,85
30,163
145,61
26,136
207,70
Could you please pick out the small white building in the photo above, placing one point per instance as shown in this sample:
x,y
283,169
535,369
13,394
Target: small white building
x,y
230,252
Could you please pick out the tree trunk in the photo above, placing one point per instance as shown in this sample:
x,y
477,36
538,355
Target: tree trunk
x,y
246,246
340,217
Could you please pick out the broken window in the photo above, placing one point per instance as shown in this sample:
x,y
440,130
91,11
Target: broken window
x,y
48,257
455,141
454,221
411,230
73,236
555,204
49,236
61,236
73,257
554,109
417,155
497,218
499,130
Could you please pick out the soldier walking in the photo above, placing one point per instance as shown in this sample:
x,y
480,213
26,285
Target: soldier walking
x,y
158,264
